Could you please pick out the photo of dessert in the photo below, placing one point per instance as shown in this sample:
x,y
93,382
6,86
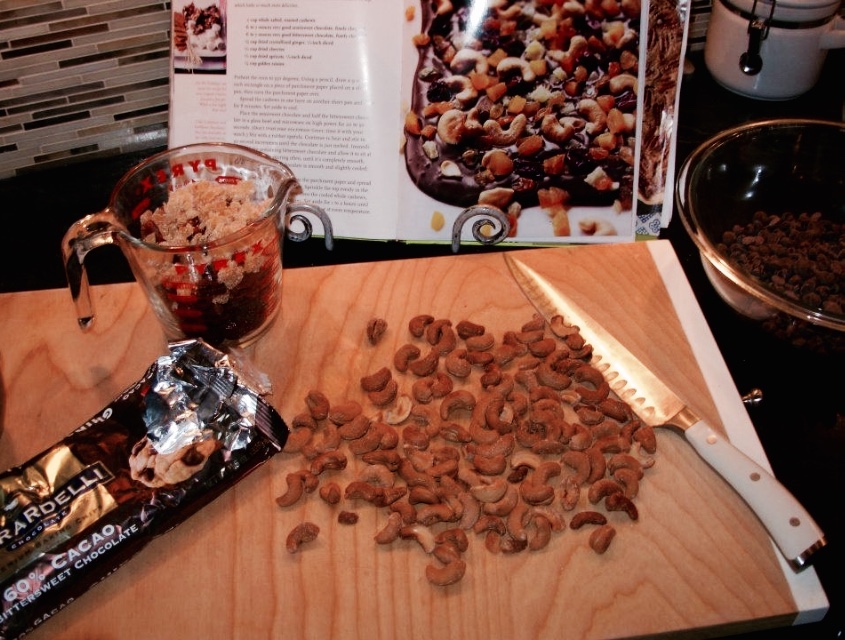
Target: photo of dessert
x,y
199,35
525,104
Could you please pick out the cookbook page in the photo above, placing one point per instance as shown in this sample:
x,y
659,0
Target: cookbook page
x,y
313,83
398,117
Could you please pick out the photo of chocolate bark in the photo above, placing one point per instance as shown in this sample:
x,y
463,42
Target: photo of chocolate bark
x,y
199,35
526,103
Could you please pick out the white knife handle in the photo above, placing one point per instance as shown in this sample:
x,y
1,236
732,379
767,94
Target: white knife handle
x,y
790,526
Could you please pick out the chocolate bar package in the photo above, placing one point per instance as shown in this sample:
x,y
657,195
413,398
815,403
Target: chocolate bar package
x,y
190,429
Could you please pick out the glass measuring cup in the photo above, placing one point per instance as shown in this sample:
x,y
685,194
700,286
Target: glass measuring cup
x,y
225,290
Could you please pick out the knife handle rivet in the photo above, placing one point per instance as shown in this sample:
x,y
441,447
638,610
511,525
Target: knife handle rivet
x,y
754,476
712,439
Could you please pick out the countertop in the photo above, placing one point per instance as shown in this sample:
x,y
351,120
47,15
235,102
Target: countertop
x,y
802,429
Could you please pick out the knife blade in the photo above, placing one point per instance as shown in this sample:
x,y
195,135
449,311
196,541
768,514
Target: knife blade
x,y
791,527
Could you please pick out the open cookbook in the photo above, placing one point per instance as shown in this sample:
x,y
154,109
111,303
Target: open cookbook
x,y
401,118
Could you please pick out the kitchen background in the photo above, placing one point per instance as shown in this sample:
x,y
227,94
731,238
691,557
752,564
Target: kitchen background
x,y
82,79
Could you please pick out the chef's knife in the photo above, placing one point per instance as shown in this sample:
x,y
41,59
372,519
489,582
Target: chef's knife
x,y
788,523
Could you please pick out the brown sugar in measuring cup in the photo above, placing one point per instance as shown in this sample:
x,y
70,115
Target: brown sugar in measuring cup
x,y
202,228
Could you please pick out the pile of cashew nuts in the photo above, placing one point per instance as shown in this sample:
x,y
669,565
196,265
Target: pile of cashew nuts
x,y
464,434
504,107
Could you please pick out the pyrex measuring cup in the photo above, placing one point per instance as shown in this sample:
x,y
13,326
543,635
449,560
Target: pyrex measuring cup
x,y
226,291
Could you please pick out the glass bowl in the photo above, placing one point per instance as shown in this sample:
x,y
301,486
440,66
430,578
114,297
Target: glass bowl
x,y
765,204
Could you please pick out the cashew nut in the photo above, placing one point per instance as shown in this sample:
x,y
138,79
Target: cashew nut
x,y
417,324
305,420
328,460
622,82
500,197
301,534
368,442
377,380
489,491
629,480
524,458
456,363
344,412
431,514
619,502
426,365
495,135
581,440
466,92
483,342
318,404
404,356
504,505
536,490
386,395
570,493
390,531
355,428
460,399
377,474
546,375
644,435
625,461
405,510
327,439
455,536
600,489
552,513
490,465
470,510
388,458
578,462
450,126
515,521
298,483
450,572
600,538
554,131
331,493
502,446
595,115
540,532
413,478
587,517
598,464
423,535
466,59
508,66
489,522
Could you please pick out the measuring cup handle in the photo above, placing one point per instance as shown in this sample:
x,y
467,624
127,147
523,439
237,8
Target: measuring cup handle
x,y
293,215
90,232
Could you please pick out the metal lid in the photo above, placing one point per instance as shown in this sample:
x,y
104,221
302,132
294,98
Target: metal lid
x,y
785,13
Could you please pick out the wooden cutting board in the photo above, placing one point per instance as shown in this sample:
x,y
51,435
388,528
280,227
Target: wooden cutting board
x,y
697,559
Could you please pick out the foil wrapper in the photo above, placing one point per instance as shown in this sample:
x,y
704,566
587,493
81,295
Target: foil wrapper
x,y
190,429
196,394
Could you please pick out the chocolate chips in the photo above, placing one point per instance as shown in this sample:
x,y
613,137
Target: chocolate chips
x,y
801,257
